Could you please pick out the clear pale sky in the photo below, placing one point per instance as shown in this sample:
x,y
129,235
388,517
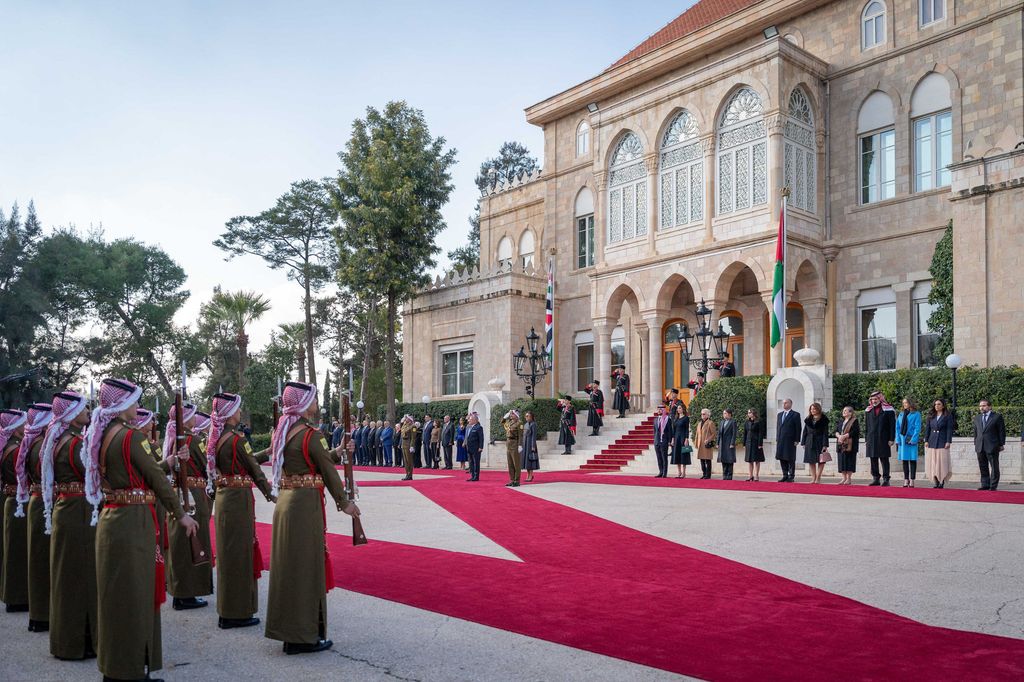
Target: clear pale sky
x,y
162,121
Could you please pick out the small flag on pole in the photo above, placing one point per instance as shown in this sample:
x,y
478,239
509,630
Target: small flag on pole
x,y
779,280
549,316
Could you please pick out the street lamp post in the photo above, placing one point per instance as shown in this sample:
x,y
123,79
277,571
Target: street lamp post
x,y
533,367
703,340
953,361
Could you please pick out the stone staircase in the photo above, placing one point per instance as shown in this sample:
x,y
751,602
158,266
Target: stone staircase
x,y
587,447
621,453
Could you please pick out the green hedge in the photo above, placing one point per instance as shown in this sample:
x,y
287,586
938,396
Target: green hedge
x,y
545,413
437,409
260,441
738,393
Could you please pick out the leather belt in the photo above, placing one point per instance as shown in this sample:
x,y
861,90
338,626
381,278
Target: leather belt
x,y
192,481
125,496
75,489
237,481
10,490
35,489
303,481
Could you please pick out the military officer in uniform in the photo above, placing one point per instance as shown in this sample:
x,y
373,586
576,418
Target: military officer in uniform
x,y
122,473
513,446
303,467
408,447
236,470
14,575
621,399
595,411
30,496
187,582
73,607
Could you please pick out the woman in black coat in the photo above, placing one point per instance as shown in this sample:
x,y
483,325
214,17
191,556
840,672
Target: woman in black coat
x,y
753,444
847,445
815,440
681,440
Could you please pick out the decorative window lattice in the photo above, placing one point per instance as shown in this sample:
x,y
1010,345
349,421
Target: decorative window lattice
x,y
725,183
800,108
760,173
697,196
745,104
800,153
682,129
641,208
741,135
682,196
628,198
627,174
628,211
742,178
667,218
615,216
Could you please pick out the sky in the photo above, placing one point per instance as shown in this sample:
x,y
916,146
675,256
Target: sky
x,y
163,121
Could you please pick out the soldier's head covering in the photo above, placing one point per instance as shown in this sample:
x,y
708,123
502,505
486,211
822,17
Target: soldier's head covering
x,y
295,401
39,416
225,405
116,396
143,418
188,410
66,406
202,422
10,421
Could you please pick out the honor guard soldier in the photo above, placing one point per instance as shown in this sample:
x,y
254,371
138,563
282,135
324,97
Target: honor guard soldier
x,y
14,576
30,495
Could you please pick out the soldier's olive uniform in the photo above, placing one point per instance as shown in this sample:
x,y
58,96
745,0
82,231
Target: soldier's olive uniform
x,y
513,433
184,579
38,540
14,588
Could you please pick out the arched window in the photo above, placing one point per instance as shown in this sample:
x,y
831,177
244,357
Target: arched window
x,y
876,134
676,370
627,191
872,21
582,138
526,248
794,331
682,173
800,163
931,111
742,154
505,251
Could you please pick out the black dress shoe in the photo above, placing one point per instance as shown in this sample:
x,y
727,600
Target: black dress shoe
x,y
885,482
875,482
185,603
38,625
229,623
17,608
292,648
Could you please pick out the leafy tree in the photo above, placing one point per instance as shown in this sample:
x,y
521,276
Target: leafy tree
x,y
294,334
294,235
941,296
239,309
394,180
513,160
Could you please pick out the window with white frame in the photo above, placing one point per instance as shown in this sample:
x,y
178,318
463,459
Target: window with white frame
x,y
457,369
925,338
582,138
627,190
876,328
932,126
527,246
876,147
800,153
742,154
930,11
584,359
682,173
584,217
873,25
505,252
618,347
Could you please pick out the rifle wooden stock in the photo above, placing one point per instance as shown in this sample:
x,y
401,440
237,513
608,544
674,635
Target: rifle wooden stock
x,y
199,553
358,536
277,411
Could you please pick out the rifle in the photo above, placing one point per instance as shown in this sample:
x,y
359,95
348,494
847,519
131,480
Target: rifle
x,y
351,491
199,554
277,411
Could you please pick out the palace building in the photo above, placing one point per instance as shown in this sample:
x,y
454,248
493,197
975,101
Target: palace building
x,y
661,187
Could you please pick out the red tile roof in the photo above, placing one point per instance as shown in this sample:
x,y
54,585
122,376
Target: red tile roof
x,y
700,15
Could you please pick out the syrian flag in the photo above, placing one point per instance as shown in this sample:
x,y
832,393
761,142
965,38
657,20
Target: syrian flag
x,y
549,315
779,282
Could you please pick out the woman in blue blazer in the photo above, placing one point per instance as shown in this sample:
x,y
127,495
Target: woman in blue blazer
x,y
938,440
908,434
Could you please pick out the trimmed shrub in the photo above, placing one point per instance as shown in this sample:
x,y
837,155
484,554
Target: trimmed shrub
x,y
737,393
545,413
437,409
260,441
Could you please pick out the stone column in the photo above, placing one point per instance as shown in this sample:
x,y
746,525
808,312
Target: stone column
x,y
641,383
651,163
777,353
707,144
600,211
831,280
655,356
776,176
904,324
814,322
603,327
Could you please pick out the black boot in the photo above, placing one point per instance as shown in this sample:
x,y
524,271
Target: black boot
x,y
292,648
885,482
185,603
38,625
229,623
17,608
875,481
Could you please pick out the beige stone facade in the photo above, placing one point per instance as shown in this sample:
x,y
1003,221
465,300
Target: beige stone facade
x,y
860,133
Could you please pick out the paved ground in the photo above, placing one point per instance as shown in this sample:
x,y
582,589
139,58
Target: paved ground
x,y
952,564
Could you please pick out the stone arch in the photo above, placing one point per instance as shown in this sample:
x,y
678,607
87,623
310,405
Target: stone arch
x,y
668,288
506,248
698,118
617,137
944,71
623,294
794,36
812,98
528,238
728,275
579,202
807,279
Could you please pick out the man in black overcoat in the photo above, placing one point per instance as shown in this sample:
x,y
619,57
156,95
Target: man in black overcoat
x,y
879,436
621,400
595,411
787,438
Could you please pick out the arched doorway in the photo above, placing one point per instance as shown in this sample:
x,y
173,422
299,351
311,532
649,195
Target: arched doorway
x,y
796,337
675,368
732,322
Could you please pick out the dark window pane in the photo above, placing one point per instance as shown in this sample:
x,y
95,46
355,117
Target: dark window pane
x,y
618,354
794,317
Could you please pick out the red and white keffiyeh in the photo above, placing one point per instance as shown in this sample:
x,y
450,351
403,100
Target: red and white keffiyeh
x,y
39,416
143,418
188,410
202,423
116,396
225,405
295,400
67,405
10,421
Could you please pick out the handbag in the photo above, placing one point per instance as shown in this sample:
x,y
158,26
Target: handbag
x,y
825,456
685,450
709,444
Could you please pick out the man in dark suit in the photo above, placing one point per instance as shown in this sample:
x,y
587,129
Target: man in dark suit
x,y
357,440
879,436
474,445
787,438
447,440
428,428
727,444
366,441
378,447
662,437
989,441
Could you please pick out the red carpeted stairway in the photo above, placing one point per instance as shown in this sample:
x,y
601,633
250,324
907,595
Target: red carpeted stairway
x,y
624,450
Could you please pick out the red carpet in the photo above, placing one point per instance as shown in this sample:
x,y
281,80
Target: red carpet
x,y
624,450
595,585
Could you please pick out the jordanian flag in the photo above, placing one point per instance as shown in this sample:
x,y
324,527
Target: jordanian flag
x,y
549,316
779,282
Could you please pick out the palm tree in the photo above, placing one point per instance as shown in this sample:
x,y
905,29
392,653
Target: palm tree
x,y
239,309
295,334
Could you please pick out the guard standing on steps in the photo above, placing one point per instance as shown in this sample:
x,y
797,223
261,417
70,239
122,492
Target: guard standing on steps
x,y
239,560
303,468
28,468
567,425
621,400
513,446
13,572
595,411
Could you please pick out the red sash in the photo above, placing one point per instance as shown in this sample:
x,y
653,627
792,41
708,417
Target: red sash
x,y
328,569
